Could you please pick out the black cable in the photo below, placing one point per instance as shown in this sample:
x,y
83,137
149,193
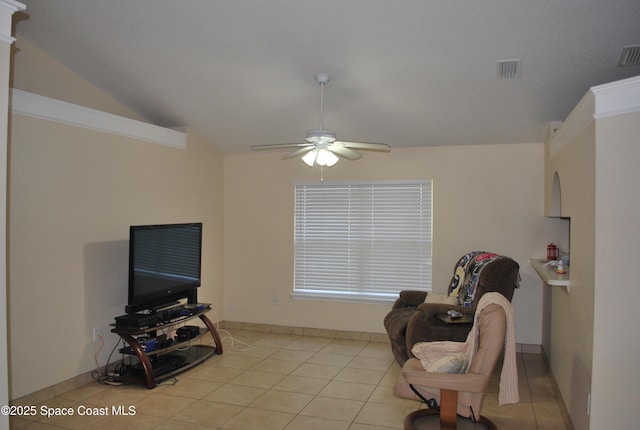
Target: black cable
x,y
104,378
432,403
473,415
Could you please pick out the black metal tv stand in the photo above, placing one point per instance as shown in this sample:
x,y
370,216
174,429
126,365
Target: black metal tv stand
x,y
156,363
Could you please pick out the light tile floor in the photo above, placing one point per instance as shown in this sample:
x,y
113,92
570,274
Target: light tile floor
x,y
291,383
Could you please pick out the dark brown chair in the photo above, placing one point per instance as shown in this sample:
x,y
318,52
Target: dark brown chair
x,y
411,320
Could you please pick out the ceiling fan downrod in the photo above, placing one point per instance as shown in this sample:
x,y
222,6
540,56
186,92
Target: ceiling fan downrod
x,y
322,79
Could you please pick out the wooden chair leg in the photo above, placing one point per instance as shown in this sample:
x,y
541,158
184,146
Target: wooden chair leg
x,y
411,421
448,409
448,414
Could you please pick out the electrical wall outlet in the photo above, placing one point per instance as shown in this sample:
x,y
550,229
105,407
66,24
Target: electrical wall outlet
x,y
96,333
275,299
232,307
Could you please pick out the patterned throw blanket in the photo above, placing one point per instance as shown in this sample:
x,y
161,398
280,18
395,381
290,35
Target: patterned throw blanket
x,y
466,275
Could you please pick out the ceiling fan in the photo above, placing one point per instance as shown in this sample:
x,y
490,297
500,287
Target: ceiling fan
x,y
321,146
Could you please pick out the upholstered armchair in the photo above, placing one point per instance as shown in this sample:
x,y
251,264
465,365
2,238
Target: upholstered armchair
x,y
413,319
455,387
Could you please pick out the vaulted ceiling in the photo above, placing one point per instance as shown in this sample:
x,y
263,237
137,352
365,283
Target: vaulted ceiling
x,y
404,72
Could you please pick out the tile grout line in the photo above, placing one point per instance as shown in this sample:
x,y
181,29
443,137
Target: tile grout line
x,y
526,374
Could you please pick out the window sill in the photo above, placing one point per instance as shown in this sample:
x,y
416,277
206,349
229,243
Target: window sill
x,y
345,297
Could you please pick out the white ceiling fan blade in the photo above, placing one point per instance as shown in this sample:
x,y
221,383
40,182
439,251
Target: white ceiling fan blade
x,y
300,151
347,153
383,147
281,146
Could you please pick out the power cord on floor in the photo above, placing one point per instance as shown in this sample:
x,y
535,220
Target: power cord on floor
x,y
106,377
245,346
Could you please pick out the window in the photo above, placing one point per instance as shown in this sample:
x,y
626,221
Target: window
x,y
362,241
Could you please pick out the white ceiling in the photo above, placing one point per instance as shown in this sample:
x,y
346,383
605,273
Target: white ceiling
x,y
404,72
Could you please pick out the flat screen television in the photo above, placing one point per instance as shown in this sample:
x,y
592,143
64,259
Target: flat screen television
x,y
164,264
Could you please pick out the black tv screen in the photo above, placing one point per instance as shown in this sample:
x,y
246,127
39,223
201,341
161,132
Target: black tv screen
x,y
164,264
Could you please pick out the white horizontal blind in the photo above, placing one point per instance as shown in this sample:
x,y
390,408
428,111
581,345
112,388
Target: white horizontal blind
x,y
362,241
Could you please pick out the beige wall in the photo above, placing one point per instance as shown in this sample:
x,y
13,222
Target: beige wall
x,y
616,318
485,197
571,314
73,194
4,351
6,13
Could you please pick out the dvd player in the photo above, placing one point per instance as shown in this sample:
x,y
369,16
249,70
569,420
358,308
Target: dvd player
x,y
138,321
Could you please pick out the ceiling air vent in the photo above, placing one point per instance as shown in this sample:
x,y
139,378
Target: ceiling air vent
x,y
630,56
508,69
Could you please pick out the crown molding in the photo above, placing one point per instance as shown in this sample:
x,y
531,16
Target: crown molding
x,y
7,9
602,101
617,98
36,106
12,5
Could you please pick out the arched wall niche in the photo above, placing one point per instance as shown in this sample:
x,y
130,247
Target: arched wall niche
x,y
555,209
563,238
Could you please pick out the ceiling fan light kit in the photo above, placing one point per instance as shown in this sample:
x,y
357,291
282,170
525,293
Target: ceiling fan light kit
x,y
321,157
322,147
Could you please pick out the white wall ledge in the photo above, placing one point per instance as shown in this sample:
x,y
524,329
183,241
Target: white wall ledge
x,y
33,105
548,274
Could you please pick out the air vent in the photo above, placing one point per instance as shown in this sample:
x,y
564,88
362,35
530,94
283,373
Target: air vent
x,y
630,56
508,69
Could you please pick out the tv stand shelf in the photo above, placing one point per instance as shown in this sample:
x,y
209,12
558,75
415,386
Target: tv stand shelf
x,y
167,361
